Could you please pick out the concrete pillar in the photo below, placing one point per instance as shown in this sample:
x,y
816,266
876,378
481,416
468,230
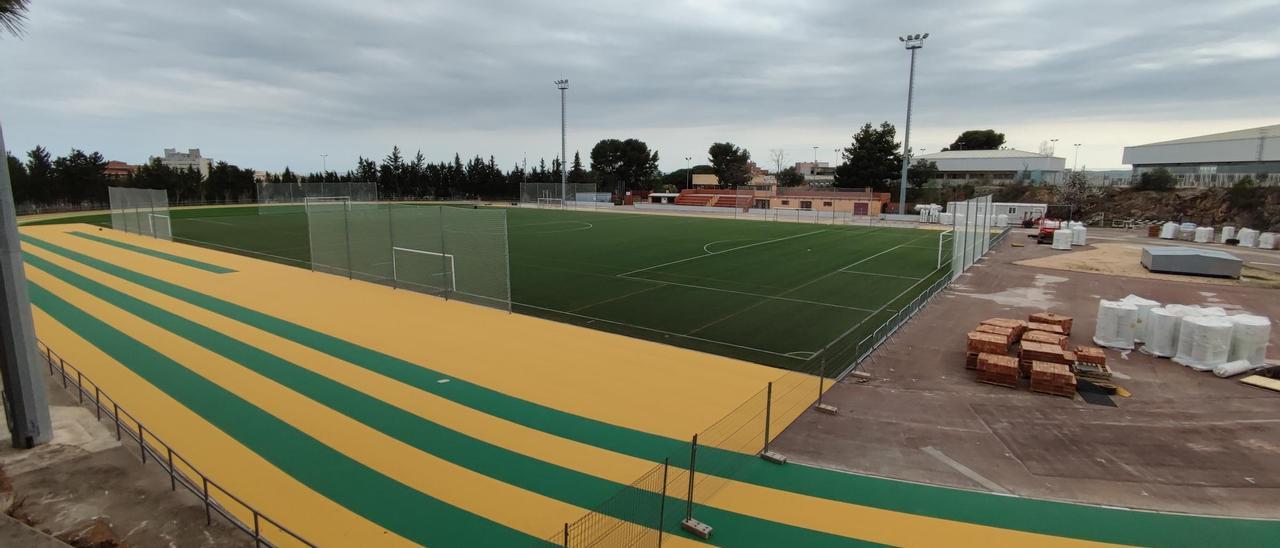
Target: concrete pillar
x,y
26,405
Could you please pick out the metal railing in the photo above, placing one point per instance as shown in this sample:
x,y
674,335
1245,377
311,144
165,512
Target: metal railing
x,y
181,472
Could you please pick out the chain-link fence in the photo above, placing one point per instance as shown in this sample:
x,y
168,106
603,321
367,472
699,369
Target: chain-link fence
x,y
275,198
454,252
971,236
142,211
570,196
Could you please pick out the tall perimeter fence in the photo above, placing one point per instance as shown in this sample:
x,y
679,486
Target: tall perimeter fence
x,y
453,252
671,495
569,196
142,211
273,198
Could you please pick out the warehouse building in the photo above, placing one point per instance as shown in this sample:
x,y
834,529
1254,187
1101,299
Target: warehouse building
x,y
995,167
1217,160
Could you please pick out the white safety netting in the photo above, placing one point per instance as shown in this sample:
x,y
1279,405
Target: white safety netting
x,y
571,195
284,198
971,234
142,211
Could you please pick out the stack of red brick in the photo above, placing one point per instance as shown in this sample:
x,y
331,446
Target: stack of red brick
x,y
1042,354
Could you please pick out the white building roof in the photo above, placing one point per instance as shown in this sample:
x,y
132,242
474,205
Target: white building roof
x,y
993,160
1259,144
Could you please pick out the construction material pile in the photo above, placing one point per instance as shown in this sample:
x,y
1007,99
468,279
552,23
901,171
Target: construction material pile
x,y
1003,352
1202,338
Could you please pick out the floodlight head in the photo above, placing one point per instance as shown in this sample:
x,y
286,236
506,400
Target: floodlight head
x,y
926,35
901,39
562,84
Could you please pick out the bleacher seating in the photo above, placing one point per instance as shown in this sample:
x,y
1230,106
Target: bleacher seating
x,y
713,197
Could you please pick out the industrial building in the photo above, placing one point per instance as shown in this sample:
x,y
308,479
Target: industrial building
x,y
995,167
1216,160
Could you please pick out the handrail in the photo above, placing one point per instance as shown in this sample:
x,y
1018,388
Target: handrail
x,y
149,444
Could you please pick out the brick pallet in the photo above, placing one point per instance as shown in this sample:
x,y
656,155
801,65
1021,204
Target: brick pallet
x,y
971,360
987,342
1091,354
1006,332
1053,319
1052,378
1046,327
1096,372
1018,326
1035,351
1045,337
998,369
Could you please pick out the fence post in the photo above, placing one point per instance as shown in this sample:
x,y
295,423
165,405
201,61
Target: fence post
x,y
768,414
662,502
97,401
62,370
566,535
693,460
115,414
173,480
142,442
208,517
80,386
346,226
257,532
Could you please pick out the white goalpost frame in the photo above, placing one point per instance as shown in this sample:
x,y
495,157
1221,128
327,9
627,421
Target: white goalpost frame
x,y
553,202
307,200
151,224
941,236
395,270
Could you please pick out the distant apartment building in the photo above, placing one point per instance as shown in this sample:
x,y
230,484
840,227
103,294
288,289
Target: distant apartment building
x,y
816,174
117,170
191,159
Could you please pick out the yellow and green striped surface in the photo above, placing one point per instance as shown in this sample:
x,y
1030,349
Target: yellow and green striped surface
x,y
356,414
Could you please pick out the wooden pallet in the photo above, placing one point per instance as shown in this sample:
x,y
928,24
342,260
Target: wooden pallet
x,y
1059,320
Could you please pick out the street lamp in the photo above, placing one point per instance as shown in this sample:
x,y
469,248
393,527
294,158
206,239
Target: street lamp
x,y
814,170
1053,146
324,161
1075,158
688,171
563,86
912,42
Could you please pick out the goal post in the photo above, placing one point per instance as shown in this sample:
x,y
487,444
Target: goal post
x,y
550,202
141,211
447,268
320,200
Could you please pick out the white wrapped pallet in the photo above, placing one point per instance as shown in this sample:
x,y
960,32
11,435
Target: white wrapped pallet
x,y
1114,328
1248,237
946,218
1228,232
1204,235
1233,368
1078,236
1249,338
1169,231
1161,337
1267,240
1143,317
1002,220
1204,342
1062,239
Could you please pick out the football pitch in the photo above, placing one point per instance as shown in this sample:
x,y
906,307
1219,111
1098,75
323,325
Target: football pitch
x,y
797,296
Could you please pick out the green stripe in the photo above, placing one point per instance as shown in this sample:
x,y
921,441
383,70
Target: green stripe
x,y
1046,517
382,500
563,484
157,254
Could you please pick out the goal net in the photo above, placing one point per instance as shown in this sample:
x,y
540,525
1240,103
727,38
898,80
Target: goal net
x,y
572,195
141,211
454,252
291,198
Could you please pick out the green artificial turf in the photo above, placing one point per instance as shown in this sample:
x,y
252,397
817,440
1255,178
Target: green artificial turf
x,y
791,295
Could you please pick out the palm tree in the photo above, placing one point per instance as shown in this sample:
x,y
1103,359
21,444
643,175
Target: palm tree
x,y
12,14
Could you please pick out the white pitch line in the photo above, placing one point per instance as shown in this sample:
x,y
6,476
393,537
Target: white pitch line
x,y
678,261
879,274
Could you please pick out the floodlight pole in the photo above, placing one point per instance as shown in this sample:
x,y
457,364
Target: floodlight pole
x,y
912,43
563,86
26,405
1076,158
688,172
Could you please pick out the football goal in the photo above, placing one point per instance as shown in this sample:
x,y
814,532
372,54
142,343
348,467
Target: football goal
x,y
430,270
159,226
310,201
550,202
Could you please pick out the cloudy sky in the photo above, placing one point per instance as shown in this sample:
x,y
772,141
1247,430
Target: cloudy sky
x,y
269,83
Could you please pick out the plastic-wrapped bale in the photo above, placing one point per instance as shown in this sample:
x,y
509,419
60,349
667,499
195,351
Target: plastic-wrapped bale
x,y
1169,231
1116,320
1062,239
1233,368
1079,235
1268,240
1002,220
1204,342
1249,338
946,218
1204,235
1161,337
1248,237
1144,312
1228,232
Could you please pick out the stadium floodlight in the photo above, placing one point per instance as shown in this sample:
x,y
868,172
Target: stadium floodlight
x,y
1076,158
912,43
688,171
563,86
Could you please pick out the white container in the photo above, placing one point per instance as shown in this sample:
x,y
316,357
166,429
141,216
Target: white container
x,y
1204,235
1144,315
1002,220
1204,342
1062,239
1267,240
1233,368
1249,338
1116,320
1161,337
1248,237
946,218
1169,231
1228,232
1078,236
